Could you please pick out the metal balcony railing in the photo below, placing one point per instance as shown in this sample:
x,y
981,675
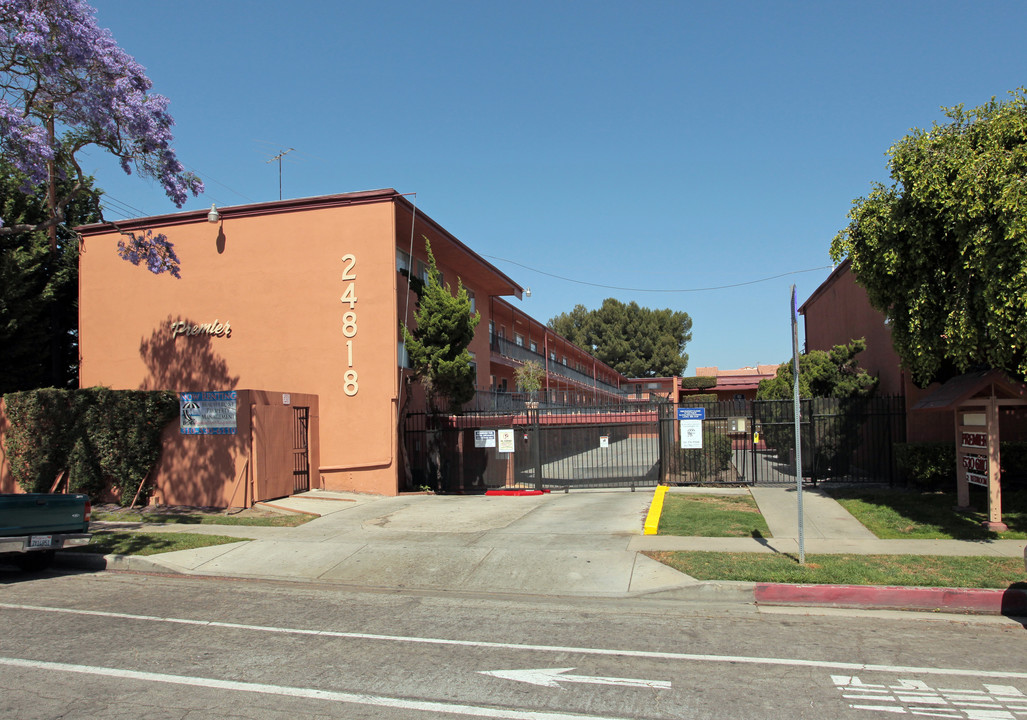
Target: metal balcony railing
x,y
521,353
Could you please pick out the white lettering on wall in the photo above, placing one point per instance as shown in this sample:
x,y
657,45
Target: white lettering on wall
x,y
350,386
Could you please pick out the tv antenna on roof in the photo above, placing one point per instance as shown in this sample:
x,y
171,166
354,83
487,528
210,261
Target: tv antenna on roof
x,y
279,157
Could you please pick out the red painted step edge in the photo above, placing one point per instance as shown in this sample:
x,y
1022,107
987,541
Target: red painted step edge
x,y
516,492
1012,601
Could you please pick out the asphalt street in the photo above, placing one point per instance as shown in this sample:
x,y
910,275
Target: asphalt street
x,y
113,645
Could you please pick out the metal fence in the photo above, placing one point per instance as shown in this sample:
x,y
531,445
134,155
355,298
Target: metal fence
x,y
547,446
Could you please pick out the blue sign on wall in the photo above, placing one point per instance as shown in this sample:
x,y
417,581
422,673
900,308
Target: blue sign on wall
x,y
691,413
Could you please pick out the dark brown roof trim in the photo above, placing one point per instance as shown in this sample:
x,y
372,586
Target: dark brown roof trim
x,y
241,211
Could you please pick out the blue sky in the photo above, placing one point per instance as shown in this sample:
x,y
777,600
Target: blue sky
x,y
651,146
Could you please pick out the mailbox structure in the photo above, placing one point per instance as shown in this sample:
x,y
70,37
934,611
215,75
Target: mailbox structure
x,y
977,399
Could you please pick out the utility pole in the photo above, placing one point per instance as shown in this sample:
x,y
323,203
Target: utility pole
x,y
279,157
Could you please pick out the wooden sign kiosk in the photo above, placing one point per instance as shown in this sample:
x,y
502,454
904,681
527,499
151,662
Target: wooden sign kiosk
x,y
976,398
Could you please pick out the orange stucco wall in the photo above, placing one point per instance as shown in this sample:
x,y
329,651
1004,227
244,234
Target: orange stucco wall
x,y
311,293
276,280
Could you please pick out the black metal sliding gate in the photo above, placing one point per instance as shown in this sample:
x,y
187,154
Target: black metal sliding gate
x,y
548,447
637,445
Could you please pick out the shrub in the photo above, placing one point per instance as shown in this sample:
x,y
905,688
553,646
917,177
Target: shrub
x,y
713,458
106,439
699,382
929,466
698,399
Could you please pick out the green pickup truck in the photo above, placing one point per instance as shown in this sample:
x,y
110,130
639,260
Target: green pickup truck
x,y
34,526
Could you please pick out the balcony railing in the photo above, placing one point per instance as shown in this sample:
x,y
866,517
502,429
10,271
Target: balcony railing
x,y
521,353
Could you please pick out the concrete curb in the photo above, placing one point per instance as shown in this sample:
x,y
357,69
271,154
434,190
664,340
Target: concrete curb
x,y
92,561
1009,602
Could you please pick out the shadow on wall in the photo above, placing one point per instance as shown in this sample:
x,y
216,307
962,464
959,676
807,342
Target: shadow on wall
x,y
181,357
199,470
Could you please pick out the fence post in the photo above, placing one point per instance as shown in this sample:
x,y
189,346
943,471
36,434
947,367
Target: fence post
x,y
536,445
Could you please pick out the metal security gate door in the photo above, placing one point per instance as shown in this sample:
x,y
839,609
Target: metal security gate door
x,y
725,455
300,454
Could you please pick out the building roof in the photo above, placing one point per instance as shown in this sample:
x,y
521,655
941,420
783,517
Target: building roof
x,y
505,286
843,267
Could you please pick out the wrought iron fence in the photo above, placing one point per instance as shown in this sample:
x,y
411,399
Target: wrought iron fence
x,y
540,444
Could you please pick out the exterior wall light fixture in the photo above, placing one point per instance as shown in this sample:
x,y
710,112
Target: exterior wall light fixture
x,y
213,216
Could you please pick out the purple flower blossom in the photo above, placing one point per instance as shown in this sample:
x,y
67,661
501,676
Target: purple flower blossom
x,y
56,63
154,248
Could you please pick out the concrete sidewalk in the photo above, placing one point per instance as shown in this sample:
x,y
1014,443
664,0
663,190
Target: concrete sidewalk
x,y
586,542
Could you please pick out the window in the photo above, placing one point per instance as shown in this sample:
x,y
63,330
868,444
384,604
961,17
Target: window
x,y
534,347
470,296
519,339
474,368
552,355
502,331
402,260
422,272
492,331
565,361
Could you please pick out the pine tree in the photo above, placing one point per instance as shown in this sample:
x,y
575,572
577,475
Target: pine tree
x,y
438,347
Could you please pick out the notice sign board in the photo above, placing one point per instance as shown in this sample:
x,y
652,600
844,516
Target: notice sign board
x,y
484,438
690,420
207,413
691,434
506,441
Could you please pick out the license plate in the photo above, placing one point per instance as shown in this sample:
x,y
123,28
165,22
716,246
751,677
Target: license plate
x,y
41,541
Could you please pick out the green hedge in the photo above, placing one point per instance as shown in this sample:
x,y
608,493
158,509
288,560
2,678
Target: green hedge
x,y
699,382
698,399
933,465
107,440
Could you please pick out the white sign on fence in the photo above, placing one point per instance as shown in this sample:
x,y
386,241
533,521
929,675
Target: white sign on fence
x,y
506,441
691,434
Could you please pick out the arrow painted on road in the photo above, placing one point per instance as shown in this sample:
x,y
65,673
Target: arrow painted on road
x,y
552,677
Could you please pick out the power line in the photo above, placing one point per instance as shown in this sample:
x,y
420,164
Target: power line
x,y
683,290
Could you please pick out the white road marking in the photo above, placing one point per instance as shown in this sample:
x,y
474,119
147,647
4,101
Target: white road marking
x,y
693,657
915,697
298,692
552,677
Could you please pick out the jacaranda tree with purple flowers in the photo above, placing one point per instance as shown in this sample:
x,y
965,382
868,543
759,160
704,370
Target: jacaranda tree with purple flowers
x,y
65,85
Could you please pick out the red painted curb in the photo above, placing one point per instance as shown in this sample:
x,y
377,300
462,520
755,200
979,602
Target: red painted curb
x,y
1012,601
516,492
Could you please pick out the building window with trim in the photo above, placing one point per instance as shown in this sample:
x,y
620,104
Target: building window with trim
x,y
402,260
470,296
534,347
519,339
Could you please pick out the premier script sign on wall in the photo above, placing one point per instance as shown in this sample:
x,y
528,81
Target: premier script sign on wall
x,y
213,329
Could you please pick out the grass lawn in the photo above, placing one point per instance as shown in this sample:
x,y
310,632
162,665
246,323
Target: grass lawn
x,y
204,518
903,570
711,516
138,543
900,514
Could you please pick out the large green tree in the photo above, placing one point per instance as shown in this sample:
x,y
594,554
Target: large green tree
x,y
39,287
635,341
438,346
942,250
